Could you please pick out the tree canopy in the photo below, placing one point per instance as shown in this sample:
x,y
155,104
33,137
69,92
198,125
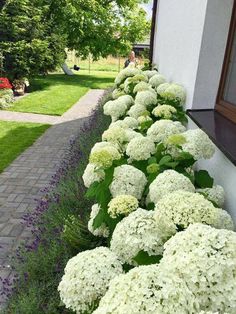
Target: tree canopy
x,y
35,33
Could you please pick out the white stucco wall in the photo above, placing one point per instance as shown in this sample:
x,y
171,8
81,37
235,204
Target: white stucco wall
x,y
224,173
189,47
214,40
178,40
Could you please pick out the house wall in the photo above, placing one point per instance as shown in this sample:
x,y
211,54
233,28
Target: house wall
x,y
224,173
189,49
178,39
190,44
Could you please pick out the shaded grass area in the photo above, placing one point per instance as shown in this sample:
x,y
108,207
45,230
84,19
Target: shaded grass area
x,y
40,265
55,93
15,137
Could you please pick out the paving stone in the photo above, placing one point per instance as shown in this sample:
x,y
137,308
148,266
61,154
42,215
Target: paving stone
x,y
22,181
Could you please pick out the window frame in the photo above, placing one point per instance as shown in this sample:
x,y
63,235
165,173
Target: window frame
x,y
226,108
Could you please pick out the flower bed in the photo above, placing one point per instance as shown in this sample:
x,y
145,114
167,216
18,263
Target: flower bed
x,y
6,93
163,218
157,239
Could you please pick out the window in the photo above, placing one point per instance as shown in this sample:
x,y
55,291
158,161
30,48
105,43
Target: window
x,y
226,99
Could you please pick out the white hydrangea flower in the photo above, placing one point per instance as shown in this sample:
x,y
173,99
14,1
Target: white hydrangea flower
x,y
131,122
164,111
143,119
146,98
115,135
150,73
184,208
92,174
128,180
157,80
197,272
203,259
215,194
119,124
87,277
140,232
162,87
174,91
136,111
141,86
225,220
140,148
132,293
115,109
162,129
127,72
105,156
131,134
100,145
126,99
131,81
117,93
167,182
198,144
103,230
122,205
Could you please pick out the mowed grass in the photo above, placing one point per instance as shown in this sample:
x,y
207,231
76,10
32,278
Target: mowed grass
x,y
55,93
15,137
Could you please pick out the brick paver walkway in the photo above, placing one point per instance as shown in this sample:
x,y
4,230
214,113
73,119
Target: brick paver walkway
x,y
21,182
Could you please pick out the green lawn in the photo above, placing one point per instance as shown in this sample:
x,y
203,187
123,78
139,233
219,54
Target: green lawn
x,y
15,137
54,94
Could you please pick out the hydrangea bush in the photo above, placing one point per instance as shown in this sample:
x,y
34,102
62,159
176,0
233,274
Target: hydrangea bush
x,y
87,277
161,217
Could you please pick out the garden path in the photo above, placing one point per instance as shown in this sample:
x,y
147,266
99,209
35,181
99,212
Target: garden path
x,y
22,181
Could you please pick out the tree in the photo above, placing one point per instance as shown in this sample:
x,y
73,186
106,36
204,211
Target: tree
x,y
29,43
103,27
35,33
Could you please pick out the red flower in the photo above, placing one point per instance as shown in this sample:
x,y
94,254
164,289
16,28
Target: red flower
x,y
4,83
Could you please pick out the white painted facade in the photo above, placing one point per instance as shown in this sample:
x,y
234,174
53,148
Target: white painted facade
x,y
189,48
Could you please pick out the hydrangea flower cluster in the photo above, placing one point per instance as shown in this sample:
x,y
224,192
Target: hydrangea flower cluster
x,y
204,260
130,81
198,144
164,111
174,91
122,205
136,111
127,72
161,88
104,157
150,73
162,129
117,108
141,86
92,174
216,194
140,148
103,230
197,272
184,208
167,182
146,98
115,135
157,80
86,278
140,232
128,180
117,93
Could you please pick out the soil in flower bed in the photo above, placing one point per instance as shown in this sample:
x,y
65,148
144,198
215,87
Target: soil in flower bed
x,y
39,265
